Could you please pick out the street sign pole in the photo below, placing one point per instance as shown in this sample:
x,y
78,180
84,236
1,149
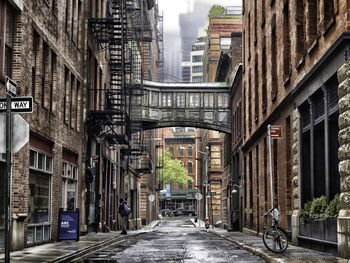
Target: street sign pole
x,y
8,180
270,157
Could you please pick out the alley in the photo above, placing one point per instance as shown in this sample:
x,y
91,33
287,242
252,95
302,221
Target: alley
x,y
174,240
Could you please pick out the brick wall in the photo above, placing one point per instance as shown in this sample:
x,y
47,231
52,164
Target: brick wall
x,y
282,43
46,121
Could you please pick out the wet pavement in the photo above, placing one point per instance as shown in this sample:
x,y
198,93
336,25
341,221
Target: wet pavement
x,y
169,240
174,240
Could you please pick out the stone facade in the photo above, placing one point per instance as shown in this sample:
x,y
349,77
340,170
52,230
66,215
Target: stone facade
x,y
344,157
292,51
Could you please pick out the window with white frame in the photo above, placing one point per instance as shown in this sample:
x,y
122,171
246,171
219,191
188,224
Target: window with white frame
x,y
189,151
39,203
69,186
180,151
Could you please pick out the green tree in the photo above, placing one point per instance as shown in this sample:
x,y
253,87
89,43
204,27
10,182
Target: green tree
x,y
216,11
173,170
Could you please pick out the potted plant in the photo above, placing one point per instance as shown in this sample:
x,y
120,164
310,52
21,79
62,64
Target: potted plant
x,y
319,221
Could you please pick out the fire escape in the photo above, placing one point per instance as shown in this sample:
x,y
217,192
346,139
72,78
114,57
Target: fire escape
x,y
123,35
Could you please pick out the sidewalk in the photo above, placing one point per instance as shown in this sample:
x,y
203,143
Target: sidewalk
x,y
68,250
293,254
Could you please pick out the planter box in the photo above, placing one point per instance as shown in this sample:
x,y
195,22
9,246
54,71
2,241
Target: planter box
x,y
331,230
304,229
321,229
317,229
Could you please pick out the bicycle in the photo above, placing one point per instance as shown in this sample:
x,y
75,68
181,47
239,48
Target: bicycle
x,y
274,237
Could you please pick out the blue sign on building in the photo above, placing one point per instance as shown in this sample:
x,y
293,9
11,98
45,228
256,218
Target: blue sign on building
x,y
68,227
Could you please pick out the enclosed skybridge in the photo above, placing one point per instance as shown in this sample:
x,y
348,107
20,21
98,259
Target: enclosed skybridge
x,y
200,105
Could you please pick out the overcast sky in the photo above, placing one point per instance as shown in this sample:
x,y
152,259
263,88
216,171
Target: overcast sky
x,y
172,8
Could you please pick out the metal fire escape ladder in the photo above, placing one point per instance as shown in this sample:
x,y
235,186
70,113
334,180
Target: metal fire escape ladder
x,y
127,35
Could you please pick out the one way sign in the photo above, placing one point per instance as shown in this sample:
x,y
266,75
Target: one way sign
x,y
18,104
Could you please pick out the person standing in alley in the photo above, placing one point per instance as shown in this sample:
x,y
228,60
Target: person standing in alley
x,y
124,210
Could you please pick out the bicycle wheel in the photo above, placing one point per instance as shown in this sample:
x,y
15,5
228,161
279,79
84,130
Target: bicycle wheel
x,y
275,239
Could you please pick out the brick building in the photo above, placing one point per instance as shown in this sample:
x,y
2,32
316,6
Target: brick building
x,y
44,48
219,42
181,143
294,67
76,158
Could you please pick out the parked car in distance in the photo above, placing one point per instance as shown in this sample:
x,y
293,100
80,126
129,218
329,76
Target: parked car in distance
x,y
166,212
184,212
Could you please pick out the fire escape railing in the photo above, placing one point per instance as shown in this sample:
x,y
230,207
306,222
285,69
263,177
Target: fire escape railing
x,y
124,34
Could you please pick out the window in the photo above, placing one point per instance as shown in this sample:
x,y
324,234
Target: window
x,y
189,185
9,40
65,104
197,58
167,99
194,100
223,100
189,167
319,131
286,41
225,43
39,204
274,87
300,31
44,76
189,151
72,101
53,81
40,161
311,23
171,150
256,89
67,14
154,98
180,100
69,186
263,68
197,79
180,151
197,69
36,41
208,100
78,105
79,22
39,207
73,33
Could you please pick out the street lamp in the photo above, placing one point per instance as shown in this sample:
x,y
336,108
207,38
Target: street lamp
x,y
234,190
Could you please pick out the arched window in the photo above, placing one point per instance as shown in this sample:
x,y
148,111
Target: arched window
x,y
189,168
190,151
180,151
171,150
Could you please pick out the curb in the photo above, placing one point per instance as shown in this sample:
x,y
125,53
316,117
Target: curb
x,y
255,251
85,251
